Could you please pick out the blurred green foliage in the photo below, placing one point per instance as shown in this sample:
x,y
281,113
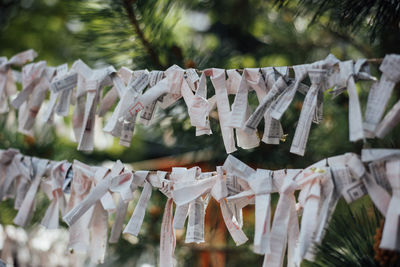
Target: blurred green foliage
x,y
155,34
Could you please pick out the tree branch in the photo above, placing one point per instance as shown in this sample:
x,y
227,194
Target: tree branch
x,y
132,18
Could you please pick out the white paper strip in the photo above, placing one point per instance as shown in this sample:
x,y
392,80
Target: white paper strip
x,y
300,138
381,91
136,220
390,235
218,80
167,238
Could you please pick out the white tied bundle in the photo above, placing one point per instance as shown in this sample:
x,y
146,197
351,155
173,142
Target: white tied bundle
x,y
7,76
90,84
60,92
381,91
36,78
388,205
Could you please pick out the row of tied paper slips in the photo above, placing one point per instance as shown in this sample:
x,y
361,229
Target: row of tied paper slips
x,y
140,92
88,196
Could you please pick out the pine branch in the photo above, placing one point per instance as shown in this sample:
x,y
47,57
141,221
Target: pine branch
x,y
374,15
128,5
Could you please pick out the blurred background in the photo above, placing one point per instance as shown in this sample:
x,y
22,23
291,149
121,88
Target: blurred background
x,y
155,34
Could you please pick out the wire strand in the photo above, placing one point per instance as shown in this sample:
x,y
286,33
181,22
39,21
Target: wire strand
x,y
370,60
